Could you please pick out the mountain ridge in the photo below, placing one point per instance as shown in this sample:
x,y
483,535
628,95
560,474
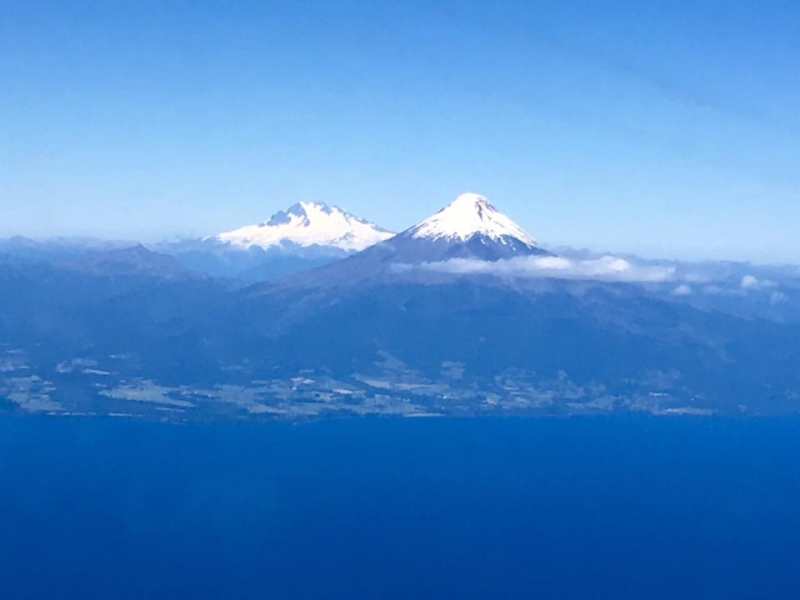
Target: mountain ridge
x,y
307,224
469,227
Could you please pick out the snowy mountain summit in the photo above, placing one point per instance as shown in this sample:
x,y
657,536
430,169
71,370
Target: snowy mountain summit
x,y
308,224
469,227
471,215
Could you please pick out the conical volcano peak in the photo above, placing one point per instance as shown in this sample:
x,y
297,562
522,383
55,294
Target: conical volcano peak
x,y
468,216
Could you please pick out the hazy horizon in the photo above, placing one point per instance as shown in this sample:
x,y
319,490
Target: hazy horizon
x,y
665,253
662,131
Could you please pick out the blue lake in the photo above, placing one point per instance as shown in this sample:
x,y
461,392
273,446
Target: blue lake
x,y
622,507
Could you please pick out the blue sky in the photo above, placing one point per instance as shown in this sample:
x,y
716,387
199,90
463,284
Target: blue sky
x,y
669,129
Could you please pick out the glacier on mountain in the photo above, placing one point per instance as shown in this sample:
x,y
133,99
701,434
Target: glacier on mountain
x,y
308,224
467,216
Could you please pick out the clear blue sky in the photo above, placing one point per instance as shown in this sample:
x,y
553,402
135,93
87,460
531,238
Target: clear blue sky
x,y
666,128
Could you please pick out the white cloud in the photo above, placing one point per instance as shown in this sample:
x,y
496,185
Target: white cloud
x,y
683,290
680,279
751,282
777,298
606,268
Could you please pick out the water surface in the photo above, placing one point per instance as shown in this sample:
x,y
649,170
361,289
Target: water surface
x,y
477,508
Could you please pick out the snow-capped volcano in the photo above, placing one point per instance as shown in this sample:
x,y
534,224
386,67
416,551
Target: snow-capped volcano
x,y
308,224
468,227
471,215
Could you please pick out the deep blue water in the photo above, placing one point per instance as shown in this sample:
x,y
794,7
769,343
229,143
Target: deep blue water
x,y
517,508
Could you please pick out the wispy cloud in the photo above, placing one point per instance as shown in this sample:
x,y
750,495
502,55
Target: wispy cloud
x,y
683,290
751,282
681,278
606,268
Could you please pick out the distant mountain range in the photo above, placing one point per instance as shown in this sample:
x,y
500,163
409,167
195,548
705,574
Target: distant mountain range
x,y
306,235
463,313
